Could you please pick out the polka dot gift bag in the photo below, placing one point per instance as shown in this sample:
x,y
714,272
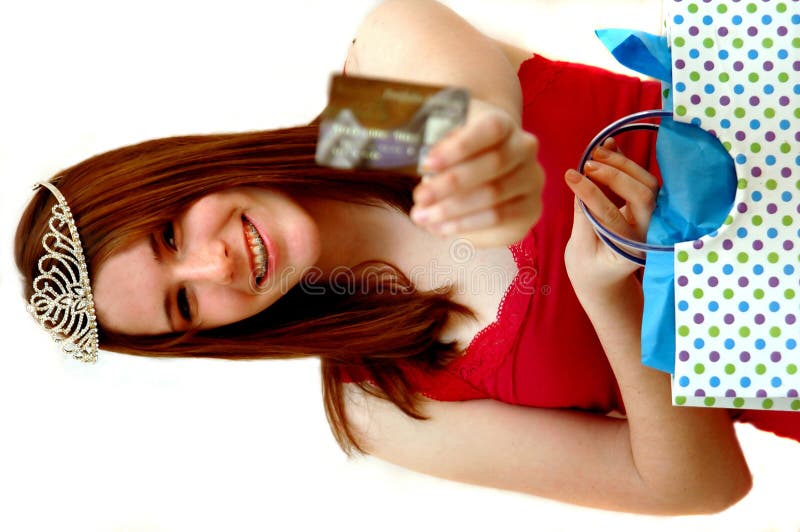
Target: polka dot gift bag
x,y
722,303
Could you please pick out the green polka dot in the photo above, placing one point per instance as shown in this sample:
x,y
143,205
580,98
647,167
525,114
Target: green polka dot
x,y
786,220
724,77
699,369
680,110
683,256
769,112
757,220
797,113
738,402
752,8
742,257
713,331
683,330
783,77
710,111
755,147
694,76
795,404
772,257
775,332
727,293
767,43
722,8
730,369
788,293
712,256
761,369
709,401
680,400
786,147
738,112
726,145
692,8
771,184
752,77
781,7
697,293
791,369
679,41
796,42
767,403
708,42
744,332
737,42
758,293
797,184
741,184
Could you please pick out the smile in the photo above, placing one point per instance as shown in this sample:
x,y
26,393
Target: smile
x,y
258,251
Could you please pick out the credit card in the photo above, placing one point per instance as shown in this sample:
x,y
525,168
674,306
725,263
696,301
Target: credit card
x,y
383,124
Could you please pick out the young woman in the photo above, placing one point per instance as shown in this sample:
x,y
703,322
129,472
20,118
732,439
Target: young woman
x,y
481,367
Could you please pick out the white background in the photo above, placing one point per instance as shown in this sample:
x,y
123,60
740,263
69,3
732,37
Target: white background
x,y
135,444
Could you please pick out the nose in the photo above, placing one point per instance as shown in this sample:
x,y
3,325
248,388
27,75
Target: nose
x,y
212,264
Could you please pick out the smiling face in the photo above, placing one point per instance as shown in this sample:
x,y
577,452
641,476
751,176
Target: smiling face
x,y
229,256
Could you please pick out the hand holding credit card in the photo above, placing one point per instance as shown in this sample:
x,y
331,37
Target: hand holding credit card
x,y
381,124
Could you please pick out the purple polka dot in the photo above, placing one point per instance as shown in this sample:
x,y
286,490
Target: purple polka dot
x,y
752,31
743,281
738,66
773,282
727,244
786,171
725,100
761,393
769,136
722,32
740,135
728,319
697,244
742,207
698,318
713,281
790,319
693,31
730,393
775,356
683,356
682,280
757,245
680,64
708,65
782,30
772,208
788,244
695,99
744,356
699,393
754,100
796,66
759,319
756,171
768,65
791,393
713,356
783,100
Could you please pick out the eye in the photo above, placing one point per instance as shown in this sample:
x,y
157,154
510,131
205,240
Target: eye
x,y
184,308
168,236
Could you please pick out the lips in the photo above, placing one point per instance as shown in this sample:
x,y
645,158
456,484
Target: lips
x,y
259,258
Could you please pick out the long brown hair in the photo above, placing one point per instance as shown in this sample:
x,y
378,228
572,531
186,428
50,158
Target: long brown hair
x,y
367,334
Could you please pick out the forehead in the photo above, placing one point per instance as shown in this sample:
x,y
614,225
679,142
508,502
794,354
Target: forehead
x,y
129,292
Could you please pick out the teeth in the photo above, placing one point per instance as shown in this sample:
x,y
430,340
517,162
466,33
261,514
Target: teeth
x,y
258,249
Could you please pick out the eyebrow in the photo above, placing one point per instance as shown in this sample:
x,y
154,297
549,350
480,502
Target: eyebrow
x,y
167,300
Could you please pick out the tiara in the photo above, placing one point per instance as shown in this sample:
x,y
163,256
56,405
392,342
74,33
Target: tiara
x,y
62,296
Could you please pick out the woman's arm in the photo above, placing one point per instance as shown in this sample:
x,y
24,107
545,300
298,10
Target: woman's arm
x,y
485,181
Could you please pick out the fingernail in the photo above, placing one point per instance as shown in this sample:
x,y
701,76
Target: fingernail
x,y
573,176
420,216
431,163
590,166
423,195
446,228
601,153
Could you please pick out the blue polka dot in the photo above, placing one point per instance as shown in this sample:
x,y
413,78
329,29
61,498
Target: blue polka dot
x,y
714,382
678,19
680,86
727,269
741,159
725,123
791,343
697,268
736,20
684,381
775,382
742,232
683,305
766,19
745,382
723,54
788,269
755,124
744,306
783,54
695,121
709,88
760,343
774,306
784,124
786,195
729,343
756,196
713,306
770,160
707,20
795,19
694,53
796,88
772,232
699,343
752,54
768,89
758,269
738,88
797,160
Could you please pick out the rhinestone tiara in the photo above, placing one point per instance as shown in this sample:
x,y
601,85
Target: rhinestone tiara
x,y
62,296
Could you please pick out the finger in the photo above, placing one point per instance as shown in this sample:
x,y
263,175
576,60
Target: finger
x,y
603,209
622,163
639,198
518,213
466,142
581,226
518,152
